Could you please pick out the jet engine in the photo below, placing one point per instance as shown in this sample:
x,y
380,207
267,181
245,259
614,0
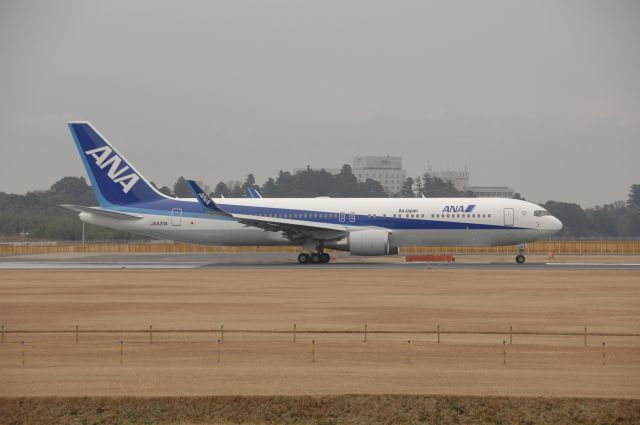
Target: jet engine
x,y
366,242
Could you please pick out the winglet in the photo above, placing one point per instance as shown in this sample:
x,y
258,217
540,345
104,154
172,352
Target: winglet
x,y
204,199
253,193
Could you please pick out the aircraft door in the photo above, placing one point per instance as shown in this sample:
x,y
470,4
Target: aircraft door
x,y
176,216
352,217
508,216
342,217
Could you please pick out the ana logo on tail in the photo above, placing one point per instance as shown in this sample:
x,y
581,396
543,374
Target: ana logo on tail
x,y
103,158
205,198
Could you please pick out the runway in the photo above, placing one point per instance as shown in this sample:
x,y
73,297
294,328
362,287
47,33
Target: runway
x,y
254,260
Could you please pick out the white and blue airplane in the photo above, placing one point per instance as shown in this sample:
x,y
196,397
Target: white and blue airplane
x,y
362,226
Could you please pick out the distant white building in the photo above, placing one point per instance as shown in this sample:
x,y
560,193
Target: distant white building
x,y
459,179
387,170
492,191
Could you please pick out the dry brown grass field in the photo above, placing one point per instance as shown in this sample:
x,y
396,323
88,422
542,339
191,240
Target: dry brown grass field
x,y
256,364
345,409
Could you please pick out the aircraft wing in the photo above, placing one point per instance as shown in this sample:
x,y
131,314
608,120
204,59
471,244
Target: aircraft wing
x,y
100,211
293,229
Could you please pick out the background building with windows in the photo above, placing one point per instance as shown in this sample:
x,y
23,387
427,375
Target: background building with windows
x,y
459,179
492,191
387,170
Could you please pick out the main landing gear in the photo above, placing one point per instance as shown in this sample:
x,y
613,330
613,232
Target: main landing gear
x,y
314,258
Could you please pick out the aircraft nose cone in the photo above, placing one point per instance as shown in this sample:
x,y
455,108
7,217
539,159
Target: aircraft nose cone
x,y
555,225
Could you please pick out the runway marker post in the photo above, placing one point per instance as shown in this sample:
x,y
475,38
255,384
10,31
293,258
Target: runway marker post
x,y
604,353
221,334
504,352
585,337
150,334
438,334
313,351
408,351
22,352
76,334
510,335
365,332
219,343
3,334
121,350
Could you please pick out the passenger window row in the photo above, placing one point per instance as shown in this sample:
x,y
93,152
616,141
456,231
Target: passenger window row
x,y
335,216
465,215
298,215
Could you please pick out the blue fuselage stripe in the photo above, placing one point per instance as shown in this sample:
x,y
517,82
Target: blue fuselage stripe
x,y
164,207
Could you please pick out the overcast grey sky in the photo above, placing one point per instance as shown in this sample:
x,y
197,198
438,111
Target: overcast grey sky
x,y
542,96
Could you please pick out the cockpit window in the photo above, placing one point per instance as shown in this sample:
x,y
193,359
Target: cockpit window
x,y
540,213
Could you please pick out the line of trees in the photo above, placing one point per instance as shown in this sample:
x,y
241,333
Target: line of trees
x,y
38,213
307,183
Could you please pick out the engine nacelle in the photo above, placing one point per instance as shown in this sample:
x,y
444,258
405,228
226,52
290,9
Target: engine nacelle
x,y
368,242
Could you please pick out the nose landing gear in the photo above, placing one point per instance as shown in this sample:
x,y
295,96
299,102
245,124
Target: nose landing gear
x,y
521,250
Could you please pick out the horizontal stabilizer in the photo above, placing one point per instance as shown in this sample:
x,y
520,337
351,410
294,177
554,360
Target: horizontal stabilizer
x,y
102,212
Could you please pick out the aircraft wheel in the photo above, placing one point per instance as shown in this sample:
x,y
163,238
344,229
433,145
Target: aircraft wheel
x,y
520,259
303,258
325,258
315,258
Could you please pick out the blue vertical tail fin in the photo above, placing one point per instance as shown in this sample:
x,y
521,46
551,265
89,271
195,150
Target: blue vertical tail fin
x,y
113,178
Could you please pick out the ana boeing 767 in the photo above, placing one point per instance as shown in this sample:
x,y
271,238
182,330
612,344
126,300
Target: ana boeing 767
x,y
362,226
